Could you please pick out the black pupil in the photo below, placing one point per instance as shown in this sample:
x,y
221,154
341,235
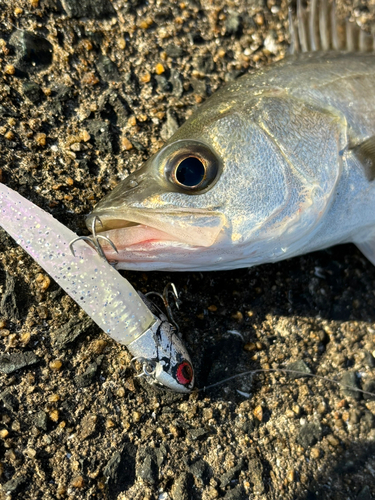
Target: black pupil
x,y
190,172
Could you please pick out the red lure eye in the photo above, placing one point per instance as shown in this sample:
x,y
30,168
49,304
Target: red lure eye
x,y
184,373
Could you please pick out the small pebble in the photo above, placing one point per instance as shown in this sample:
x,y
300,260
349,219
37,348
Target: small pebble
x,y
121,392
333,440
258,413
84,136
290,476
315,453
136,416
146,23
250,346
110,423
54,415
145,77
159,69
78,482
238,316
9,135
41,139
90,79
55,365
212,308
9,69
121,42
4,433
126,144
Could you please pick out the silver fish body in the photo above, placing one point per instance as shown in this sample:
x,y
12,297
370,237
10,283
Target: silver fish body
x,y
285,173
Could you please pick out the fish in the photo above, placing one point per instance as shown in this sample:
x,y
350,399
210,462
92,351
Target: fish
x,y
278,163
108,298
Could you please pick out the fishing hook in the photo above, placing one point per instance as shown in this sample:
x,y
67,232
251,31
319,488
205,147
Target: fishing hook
x,y
165,298
93,240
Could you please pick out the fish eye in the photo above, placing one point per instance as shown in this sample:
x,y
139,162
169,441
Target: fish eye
x,y
184,373
190,165
190,172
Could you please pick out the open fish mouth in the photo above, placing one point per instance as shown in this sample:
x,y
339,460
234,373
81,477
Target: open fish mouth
x,y
145,230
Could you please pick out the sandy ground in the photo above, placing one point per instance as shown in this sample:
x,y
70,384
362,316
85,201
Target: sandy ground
x,y
79,110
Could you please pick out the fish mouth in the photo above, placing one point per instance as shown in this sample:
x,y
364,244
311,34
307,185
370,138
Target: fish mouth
x,y
147,230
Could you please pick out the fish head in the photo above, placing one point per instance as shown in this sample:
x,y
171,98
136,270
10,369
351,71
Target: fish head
x,y
164,358
238,184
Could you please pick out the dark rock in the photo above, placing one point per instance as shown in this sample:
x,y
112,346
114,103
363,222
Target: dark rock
x,y
7,112
147,466
170,126
175,81
32,51
364,494
200,470
163,84
88,8
61,96
101,132
8,303
113,108
369,359
69,332
182,486
367,422
88,425
237,493
309,434
231,474
9,363
160,454
120,470
256,475
199,87
232,23
174,50
41,420
14,484
349,379
205,64
298,366
138,146
369,386
107,69
86,378
147,470
9,401
32,91
198,434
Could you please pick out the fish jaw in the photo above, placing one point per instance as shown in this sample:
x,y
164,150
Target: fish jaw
x,y
150,238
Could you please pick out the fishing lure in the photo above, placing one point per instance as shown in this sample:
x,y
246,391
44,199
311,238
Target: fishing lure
x,y
108,298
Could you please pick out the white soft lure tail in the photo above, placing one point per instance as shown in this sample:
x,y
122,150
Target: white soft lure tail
x,y
100,290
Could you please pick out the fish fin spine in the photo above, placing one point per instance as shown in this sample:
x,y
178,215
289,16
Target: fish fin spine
x,y
318,28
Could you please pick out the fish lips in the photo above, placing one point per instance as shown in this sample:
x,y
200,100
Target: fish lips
x,y
127,228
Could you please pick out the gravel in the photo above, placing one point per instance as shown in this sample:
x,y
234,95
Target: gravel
x,y
88,91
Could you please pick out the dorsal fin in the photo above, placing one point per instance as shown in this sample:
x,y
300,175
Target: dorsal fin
x,y
317,28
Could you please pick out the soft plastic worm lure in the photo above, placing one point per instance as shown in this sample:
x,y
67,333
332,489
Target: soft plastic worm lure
x,y
101,291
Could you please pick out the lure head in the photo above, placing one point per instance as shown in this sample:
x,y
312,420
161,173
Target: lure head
x,y
166,362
